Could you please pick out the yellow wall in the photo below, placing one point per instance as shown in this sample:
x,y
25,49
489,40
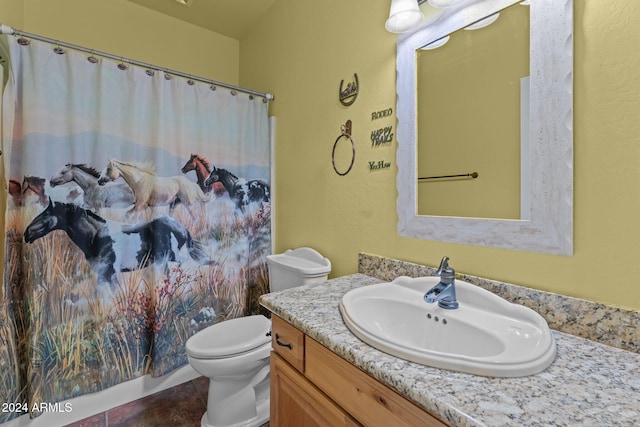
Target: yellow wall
x,y
12,12
122,28
303,49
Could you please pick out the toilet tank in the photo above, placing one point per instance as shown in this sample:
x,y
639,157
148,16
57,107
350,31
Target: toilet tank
x,y
297,267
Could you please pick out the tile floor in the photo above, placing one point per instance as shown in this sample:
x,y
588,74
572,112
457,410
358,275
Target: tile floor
x,y
179,406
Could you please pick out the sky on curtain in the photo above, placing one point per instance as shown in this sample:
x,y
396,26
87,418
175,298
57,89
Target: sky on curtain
x,y
125,105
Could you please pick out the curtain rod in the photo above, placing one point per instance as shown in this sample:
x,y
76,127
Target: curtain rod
x,y
5,29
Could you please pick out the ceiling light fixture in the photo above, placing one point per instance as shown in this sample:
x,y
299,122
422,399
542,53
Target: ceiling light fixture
x,y
404,15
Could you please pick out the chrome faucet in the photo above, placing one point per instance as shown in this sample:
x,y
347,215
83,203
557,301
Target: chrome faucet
x,y
445,291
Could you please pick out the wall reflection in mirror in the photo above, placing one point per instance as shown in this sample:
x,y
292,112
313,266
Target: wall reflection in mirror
x,y
482,74
452,121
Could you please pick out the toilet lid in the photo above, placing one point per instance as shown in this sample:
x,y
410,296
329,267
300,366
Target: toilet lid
x,y
230,337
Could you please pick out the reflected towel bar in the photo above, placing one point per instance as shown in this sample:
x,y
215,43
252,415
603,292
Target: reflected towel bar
x,y
472,175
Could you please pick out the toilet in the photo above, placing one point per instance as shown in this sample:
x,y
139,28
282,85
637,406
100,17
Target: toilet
x,y
234,354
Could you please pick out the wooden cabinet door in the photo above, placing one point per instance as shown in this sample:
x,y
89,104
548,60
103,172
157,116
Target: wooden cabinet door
x,y
295,402
368,400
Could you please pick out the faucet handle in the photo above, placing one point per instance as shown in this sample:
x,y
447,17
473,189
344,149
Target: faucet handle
x,y
444,270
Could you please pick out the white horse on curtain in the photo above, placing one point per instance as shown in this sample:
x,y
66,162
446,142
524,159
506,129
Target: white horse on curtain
x,y
150,189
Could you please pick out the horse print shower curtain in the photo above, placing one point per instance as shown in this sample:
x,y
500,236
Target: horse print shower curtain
x,y
137,213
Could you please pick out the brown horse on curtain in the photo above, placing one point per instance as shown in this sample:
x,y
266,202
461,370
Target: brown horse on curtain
x,y
202,167
30,185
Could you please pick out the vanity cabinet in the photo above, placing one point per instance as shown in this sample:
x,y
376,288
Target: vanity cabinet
x,y
312,386
295,402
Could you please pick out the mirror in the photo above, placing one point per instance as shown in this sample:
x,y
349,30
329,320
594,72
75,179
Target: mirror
x,y
483,74
544,222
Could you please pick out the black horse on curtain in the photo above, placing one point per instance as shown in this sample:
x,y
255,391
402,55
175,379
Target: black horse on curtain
x,y
111,247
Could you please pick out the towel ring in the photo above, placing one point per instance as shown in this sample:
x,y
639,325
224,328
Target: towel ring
x,y
346,133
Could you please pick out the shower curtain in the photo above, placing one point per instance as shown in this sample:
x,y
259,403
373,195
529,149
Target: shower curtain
x,y
117,249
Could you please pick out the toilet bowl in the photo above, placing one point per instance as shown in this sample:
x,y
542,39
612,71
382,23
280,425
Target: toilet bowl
x,y
234,354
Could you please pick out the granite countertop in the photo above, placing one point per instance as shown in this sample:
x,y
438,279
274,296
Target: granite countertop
x,y
588,384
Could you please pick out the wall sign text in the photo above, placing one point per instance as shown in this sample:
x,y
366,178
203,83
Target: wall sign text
x,y
379,164
381,136
380,114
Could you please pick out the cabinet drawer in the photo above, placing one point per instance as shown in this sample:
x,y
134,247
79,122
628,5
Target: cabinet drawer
x,y
366,399
288,342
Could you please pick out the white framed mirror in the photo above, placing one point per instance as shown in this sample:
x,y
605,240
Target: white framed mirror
x,y
546,222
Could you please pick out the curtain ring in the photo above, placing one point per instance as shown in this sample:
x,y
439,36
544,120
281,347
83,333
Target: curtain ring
x,y
346,133
122,66
91,58
23,41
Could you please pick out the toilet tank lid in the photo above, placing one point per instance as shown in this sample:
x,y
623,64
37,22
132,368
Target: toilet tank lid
x,y
306,261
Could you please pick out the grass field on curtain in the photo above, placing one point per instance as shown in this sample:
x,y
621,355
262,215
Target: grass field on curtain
x,y
78,344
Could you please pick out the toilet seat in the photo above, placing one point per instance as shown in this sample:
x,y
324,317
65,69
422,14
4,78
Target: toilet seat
x,y
230,338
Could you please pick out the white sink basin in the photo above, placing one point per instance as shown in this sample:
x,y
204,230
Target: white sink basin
x,y
486,335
